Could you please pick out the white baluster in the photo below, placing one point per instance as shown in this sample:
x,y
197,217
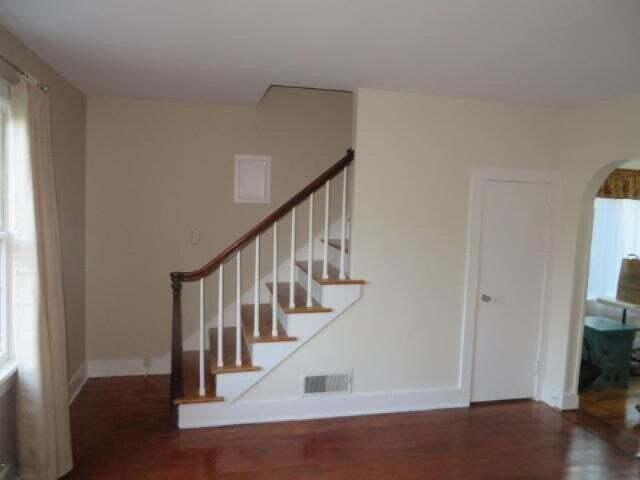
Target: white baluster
x,y
220,313
274,294
238,313
310,252
344,223
325,253
256,291
201,390
292,275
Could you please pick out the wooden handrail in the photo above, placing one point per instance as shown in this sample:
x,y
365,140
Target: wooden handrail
x,y
266,223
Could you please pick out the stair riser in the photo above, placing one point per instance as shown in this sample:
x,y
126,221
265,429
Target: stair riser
x,y
304,325
231,385
316,288
282,318
333,257
331,296
339,297
299,325
267,355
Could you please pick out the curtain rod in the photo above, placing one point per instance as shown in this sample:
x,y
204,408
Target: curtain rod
x,y
27,76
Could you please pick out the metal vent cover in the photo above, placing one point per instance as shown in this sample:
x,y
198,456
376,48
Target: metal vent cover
x,y
327,383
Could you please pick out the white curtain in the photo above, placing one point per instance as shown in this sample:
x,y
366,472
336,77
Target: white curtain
x,y
616,234
44,446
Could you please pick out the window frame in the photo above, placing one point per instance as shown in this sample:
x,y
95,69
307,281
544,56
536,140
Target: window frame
x,y
6,242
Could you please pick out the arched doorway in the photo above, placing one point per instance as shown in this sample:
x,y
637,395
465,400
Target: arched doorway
x,y
609,226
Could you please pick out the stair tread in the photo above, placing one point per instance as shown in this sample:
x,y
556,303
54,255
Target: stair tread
x,y
300,299
264,325
228,352
191,381
335,243
332,272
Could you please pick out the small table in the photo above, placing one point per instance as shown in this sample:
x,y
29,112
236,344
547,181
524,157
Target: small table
x,y
625,306
608,345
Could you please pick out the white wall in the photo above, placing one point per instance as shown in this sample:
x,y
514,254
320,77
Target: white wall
x,y
158,170
594,140
425,147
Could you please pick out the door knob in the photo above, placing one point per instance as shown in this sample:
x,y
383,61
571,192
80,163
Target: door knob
x,y
485,298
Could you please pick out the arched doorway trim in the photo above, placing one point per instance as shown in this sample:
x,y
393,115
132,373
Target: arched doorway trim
x,y
581,275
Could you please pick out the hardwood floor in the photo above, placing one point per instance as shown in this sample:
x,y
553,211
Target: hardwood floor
x,y
119,428
616,406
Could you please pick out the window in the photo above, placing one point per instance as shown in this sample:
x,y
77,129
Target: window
x,y
5,237
616,234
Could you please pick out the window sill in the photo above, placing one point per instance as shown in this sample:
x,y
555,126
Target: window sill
x,y
8,371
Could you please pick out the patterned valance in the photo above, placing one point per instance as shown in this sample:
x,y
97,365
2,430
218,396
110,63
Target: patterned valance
x,y
622,183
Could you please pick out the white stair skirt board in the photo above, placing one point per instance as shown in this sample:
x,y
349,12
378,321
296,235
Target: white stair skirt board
x,y
303,326
321,406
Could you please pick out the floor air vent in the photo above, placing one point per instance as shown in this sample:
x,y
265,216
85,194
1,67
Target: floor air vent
x,y
321,384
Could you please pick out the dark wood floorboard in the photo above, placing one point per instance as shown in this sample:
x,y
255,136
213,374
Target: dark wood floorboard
x,y
119,428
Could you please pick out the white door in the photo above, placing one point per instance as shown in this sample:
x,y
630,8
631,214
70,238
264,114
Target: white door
x,y
511,277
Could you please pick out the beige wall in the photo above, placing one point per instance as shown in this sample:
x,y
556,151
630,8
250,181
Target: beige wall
x,y
414,155
405,333
156,171
68,117
426,147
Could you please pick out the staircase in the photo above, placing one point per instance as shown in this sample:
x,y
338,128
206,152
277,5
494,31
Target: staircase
x,y
282,315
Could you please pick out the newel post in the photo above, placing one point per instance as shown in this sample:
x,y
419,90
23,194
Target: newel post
x,y
176,383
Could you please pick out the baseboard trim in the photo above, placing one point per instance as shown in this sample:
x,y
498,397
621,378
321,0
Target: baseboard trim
x,y
307,408
77,381
129,367
561,401
570,401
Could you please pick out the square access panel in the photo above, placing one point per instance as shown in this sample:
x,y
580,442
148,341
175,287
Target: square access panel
x,y
252,179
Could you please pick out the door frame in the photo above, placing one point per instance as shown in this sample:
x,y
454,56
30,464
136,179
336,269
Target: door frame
x,y
472,267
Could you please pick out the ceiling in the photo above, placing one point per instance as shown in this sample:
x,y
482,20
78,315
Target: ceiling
x,y
549,52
